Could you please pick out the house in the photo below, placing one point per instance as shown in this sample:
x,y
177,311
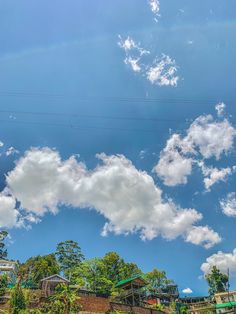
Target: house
x,y
225,302
198,305
49,284
132,293
8,267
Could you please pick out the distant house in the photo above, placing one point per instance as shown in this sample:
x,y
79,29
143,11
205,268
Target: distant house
x,y
8,268
48,284
198,305
132,290
225,302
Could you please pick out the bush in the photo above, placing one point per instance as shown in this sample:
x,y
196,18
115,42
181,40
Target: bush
x,y
17,301
3,284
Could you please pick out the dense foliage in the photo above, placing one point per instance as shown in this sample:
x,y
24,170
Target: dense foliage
x,y
69,256
39,267
217,281
17,301
3,250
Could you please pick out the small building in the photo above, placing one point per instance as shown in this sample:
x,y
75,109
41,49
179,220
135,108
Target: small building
x,y
49,284
132,293
225,302
198,305
9,267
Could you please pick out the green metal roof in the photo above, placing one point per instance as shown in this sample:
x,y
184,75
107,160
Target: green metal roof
x,y
122,282
223,305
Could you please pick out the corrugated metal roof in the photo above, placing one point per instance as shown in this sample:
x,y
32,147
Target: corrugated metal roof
x,y
122,282
228,304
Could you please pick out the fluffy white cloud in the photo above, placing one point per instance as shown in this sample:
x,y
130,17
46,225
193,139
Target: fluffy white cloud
x,y
128,198
212,138
228,205
163,72
173,168
204,236
213,175
220,108
187,291
1,144
221,260
205,138
8,214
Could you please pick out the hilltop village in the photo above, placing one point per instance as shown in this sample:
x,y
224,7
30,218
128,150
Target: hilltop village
x,y
65,282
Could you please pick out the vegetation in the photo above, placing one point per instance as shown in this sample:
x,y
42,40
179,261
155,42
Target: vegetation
x,y
217,281
3,250
69,256
64,300
39,267
157,279
3,284
18,300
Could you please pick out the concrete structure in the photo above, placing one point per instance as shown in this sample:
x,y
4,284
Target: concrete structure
x,y
225,302
7,266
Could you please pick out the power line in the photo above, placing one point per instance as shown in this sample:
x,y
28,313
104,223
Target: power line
x,y
57,96
76,126
78,115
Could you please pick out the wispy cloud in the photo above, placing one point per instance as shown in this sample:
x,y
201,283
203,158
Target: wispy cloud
x,y
162,71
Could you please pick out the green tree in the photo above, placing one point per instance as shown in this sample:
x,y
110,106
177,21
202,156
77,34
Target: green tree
x,y
128,270
3,284
157,279
64,300
17,301
69,256
217,281
3,250
92,274
39,267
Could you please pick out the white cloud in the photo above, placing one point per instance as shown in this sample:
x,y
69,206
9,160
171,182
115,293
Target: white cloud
x,y
187,291
155,7
127,198
163,72
213,175
228,205
204,236
222,261
205,138
212,138
134,63
173,168
8,214
220,108
1,144
11,151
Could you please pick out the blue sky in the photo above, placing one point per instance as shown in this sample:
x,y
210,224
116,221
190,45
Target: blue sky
x,y
116,77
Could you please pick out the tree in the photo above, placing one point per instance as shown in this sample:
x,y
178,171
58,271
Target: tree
x,y
64,300
157,280
3,284
128,270
217,281
39,267
93,275
69,256
3,250
17,301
